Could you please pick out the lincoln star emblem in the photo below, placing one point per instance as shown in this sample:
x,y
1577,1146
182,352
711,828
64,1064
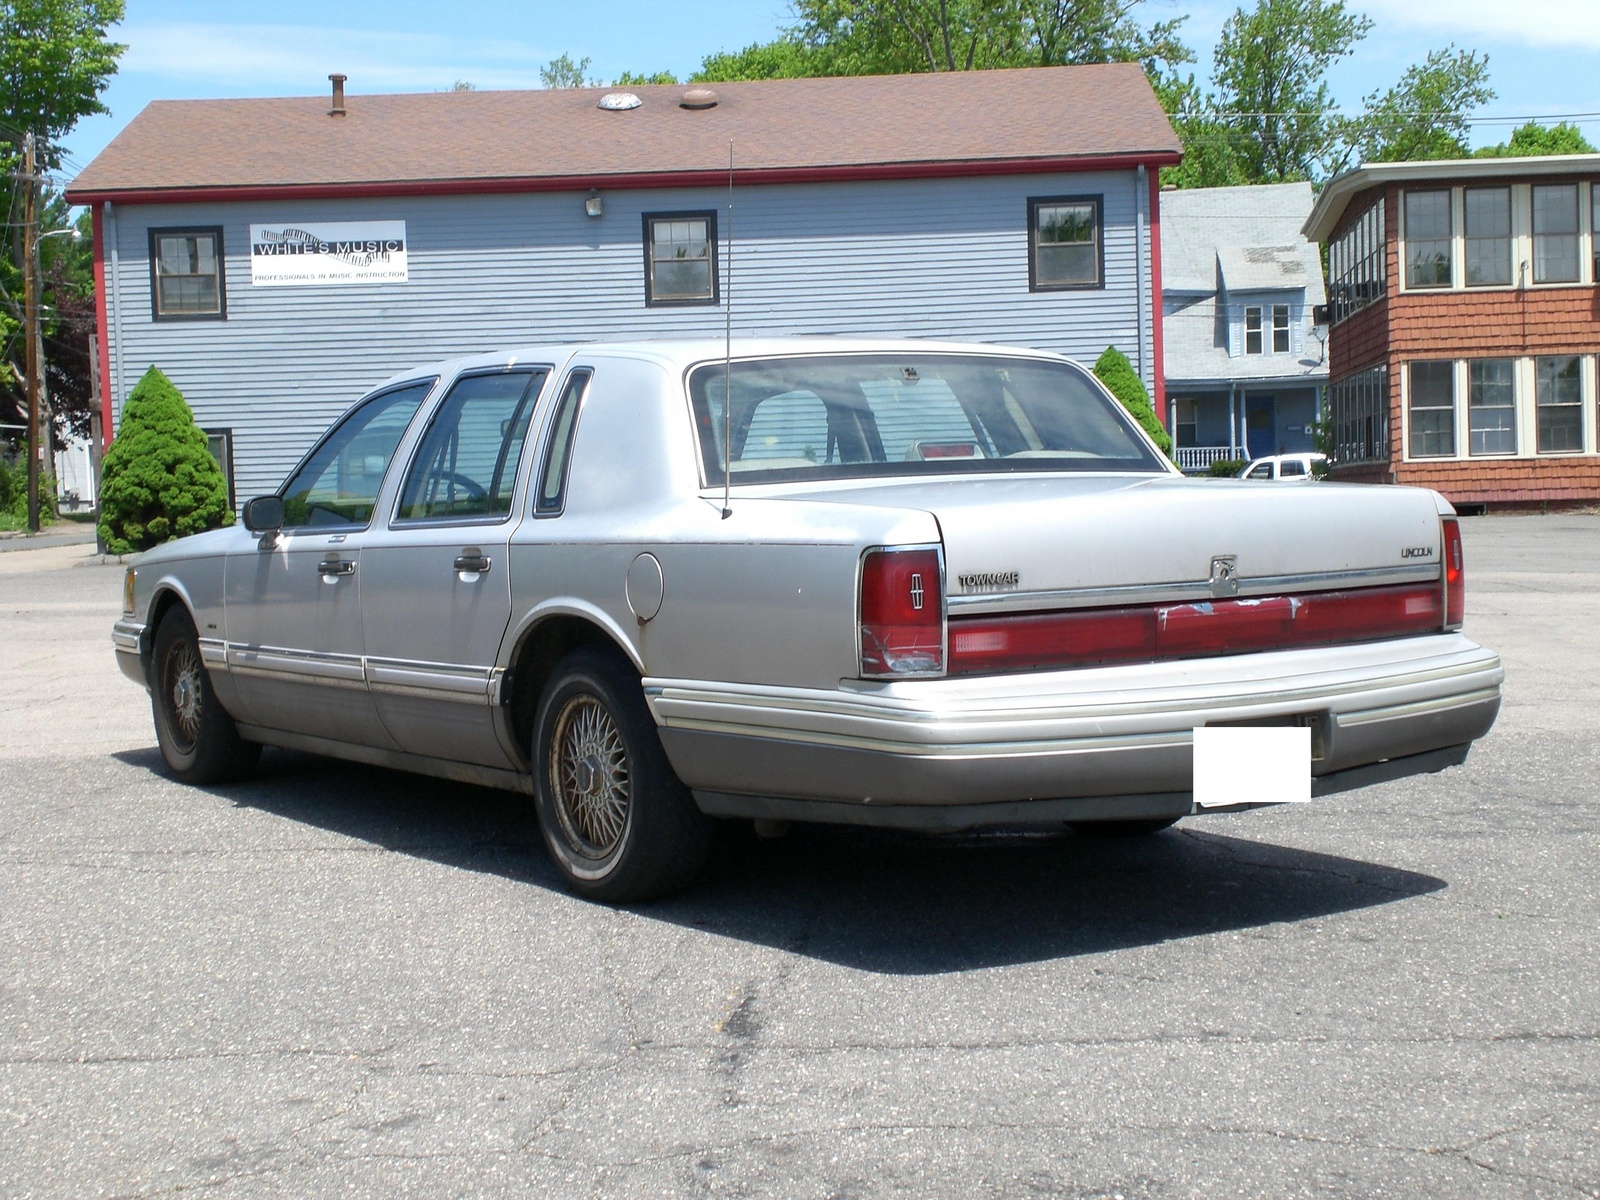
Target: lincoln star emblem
x,y
1224,576
916,591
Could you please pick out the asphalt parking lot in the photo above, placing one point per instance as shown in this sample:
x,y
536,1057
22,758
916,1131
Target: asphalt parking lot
x,y
337,979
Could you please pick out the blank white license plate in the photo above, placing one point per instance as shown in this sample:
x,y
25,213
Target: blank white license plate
x,y
1251,765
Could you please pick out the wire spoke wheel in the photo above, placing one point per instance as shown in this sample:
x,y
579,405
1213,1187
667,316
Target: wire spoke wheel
x,y
590,779
181,690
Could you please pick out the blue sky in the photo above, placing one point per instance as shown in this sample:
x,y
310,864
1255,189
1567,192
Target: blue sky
x,y
1544,54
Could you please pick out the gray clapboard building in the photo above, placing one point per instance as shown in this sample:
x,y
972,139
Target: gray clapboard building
x,y
1245,323
278,257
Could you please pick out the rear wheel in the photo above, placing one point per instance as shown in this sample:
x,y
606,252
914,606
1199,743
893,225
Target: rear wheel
x,y
1106,829
616,820
198,739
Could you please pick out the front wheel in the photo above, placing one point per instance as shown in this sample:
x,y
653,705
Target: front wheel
x,y
615,818
198,739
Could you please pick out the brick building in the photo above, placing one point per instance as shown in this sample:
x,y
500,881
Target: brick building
x,y
1465,326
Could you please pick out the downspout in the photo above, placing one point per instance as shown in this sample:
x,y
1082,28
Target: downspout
x,y
113,380
1140,191
1157,316
98,218
1233,422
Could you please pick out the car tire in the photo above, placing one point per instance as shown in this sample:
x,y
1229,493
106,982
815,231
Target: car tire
x,y
618,823
199,741
1121,829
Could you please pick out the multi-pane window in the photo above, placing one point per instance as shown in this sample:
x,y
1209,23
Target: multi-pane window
x,y
1428,233
1252,329
1594,229
1555,233
1280,329
186,273
1355,265
1491,406
1432,432
680,258
1188,423
1358,409
1066,242
1559,394
1487,218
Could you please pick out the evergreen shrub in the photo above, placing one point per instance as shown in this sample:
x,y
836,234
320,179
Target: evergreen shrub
x,y
1115,371
1223,467
159,480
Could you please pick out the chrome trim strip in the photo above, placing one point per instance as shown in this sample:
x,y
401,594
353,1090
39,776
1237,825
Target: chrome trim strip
x,y
302,664
440,681
126,635
214,654
1049,748
1185,592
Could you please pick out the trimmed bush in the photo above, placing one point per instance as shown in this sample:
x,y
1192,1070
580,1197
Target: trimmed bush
x,y
1222,467
158,480
1115,371
14,494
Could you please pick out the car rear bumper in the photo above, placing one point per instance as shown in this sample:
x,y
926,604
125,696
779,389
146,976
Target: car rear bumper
x,y
1097,734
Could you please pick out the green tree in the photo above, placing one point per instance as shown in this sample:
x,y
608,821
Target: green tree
x,y
55,60
564,73
159,480
1210,156
784,58
1271,70
1115,371
1534,139
1424,115
644,79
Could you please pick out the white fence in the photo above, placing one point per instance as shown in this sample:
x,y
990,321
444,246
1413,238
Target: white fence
x,y
1200,458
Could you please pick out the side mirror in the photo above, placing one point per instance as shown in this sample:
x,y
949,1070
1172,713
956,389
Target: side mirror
x,y
264,514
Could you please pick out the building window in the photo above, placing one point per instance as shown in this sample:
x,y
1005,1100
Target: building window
x,y
1252,329
1558,392
1358,410
1355,265
1594,229
1428,239
680,258
186,276
1487,218
1555,233
1491,406
1432,401
1188,424
1066,243
220,443
1280,329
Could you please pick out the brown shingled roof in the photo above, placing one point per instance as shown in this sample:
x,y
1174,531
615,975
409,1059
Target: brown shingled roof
x,y
892,124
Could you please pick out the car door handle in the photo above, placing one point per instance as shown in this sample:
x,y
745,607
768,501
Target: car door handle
x,y
336,566
474,563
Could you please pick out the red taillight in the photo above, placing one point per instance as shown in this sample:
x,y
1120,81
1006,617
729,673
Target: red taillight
x,y
1145,634
1455,576
902,612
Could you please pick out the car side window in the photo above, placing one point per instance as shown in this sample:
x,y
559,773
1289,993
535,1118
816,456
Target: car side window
x,y
1262,471
466,466
1291,466
558,447
337,483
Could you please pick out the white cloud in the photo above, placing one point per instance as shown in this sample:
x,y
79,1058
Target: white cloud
x,y
1530,22
253,57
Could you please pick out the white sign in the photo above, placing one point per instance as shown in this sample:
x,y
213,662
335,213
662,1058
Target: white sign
x,y
293,255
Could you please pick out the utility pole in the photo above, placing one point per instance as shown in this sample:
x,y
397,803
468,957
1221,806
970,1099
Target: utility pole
x,y
30,323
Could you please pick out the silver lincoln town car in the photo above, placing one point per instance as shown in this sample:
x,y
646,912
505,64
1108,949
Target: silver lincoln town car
x,y
870,582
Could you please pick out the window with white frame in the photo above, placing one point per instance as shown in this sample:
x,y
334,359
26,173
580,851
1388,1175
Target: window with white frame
x,y
1491,406
1431,432
1252,329
1355,265
1486,221
1280,329
1358,410
1555,233
1558,395
1430,239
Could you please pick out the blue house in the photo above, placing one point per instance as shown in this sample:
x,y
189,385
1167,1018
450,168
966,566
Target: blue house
x,y
278,257
1244,322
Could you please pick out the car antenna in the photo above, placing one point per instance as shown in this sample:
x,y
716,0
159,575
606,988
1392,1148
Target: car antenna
x,y
727,354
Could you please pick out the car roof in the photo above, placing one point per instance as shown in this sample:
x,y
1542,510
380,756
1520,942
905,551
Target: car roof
x,y
681,353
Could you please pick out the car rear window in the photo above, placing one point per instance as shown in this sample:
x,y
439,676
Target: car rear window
x,y
853,416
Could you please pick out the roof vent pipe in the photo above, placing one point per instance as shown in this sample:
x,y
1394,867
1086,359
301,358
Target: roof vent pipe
x,y
338,95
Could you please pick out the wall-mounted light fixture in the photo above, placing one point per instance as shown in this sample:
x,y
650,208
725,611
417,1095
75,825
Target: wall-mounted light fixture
x,y
593,205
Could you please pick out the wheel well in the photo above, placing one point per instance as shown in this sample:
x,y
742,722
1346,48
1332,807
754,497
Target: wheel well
x,y
163,603
541,648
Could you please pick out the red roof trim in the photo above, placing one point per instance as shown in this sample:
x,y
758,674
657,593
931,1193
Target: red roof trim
x,y
578,183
